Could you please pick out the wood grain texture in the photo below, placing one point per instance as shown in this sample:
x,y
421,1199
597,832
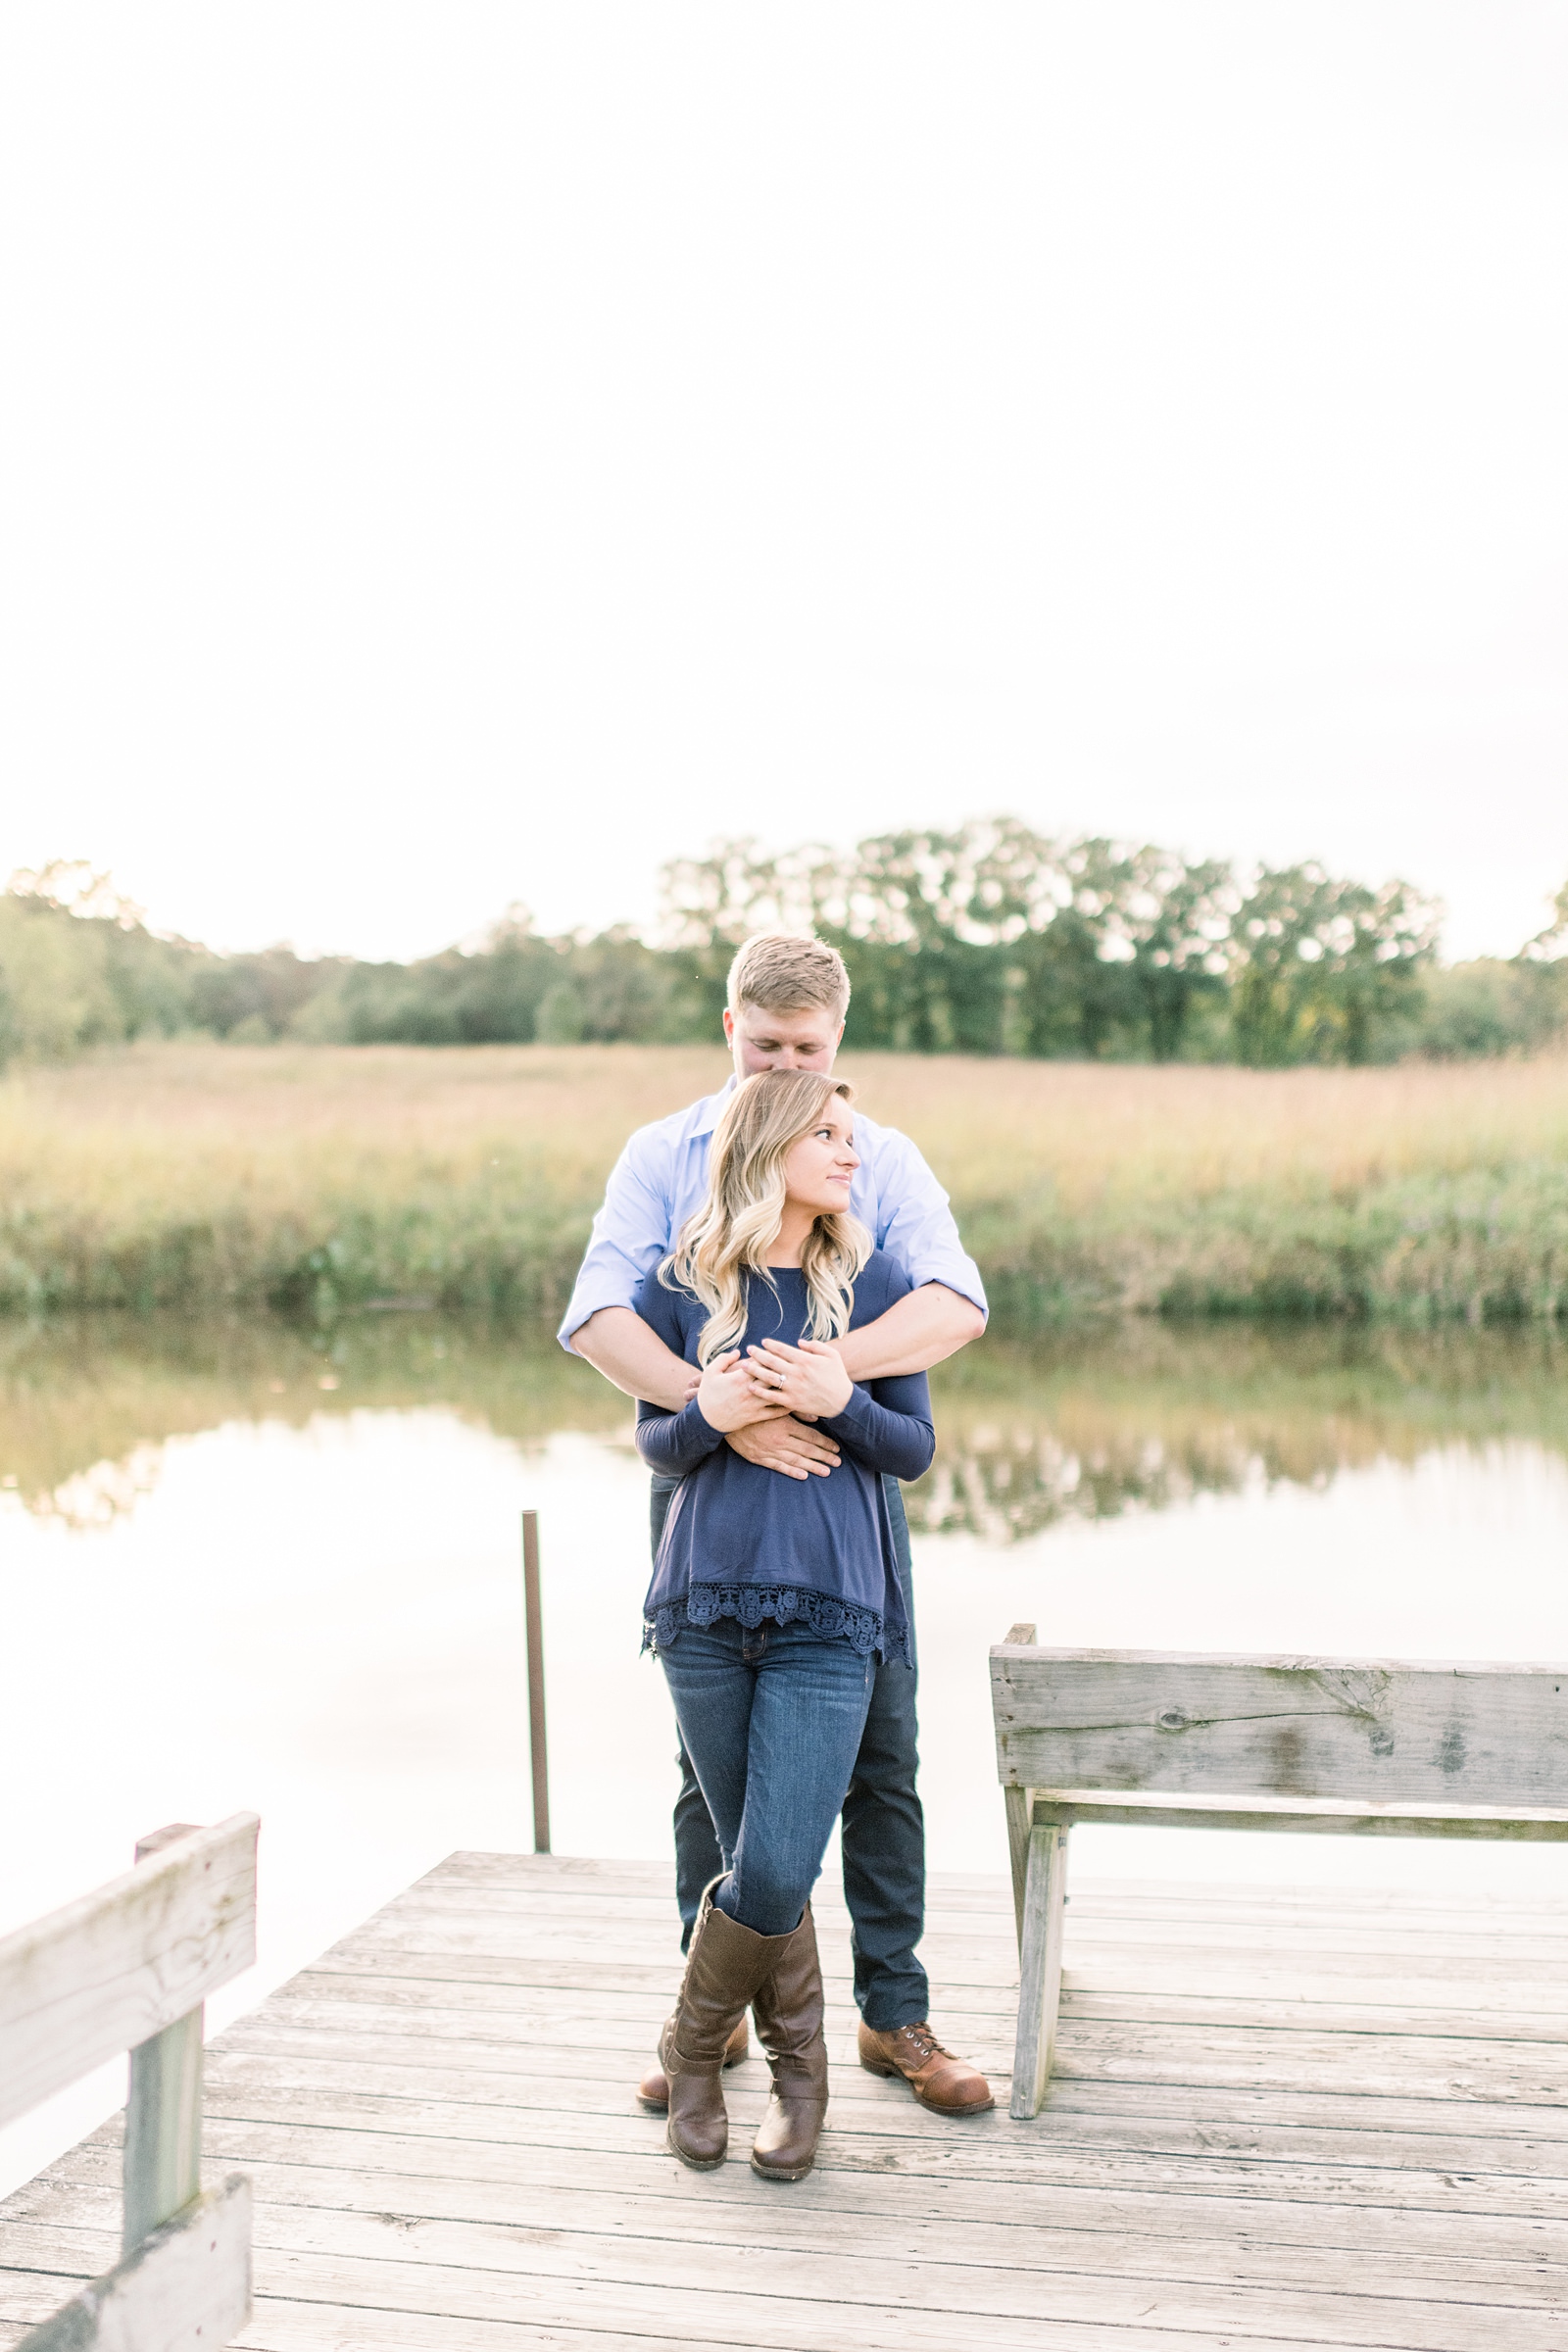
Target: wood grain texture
x,y
109,1970
1045,1900
1317,1816
185,2288
1020,1805
163,2127
981,2271
1278,2123
824,2302
632,2195
1370,1732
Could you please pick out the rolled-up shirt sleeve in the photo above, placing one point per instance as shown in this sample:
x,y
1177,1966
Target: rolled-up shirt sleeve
x,y
630,1234
919,1228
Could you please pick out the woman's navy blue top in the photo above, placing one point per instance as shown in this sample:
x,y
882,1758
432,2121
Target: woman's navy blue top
x,y
745,1542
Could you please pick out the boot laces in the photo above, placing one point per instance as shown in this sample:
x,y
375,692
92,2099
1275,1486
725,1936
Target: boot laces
x,y
922,2040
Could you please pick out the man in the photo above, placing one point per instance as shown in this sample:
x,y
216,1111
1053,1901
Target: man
x,y
788,998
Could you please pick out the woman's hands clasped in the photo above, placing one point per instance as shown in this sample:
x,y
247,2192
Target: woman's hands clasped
x,y
809,1381
727,1396
772,1381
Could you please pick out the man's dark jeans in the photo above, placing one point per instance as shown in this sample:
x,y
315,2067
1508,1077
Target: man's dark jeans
x,y
883,1835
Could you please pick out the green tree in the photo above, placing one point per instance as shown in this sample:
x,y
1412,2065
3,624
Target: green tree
x,y
265,991
629,991
1550,946
79,968
1078,995
987,939
1490,1007
559,1021
1176,919
1320,966
919,938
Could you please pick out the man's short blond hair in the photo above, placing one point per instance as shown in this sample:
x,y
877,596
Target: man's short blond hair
x,y
784,971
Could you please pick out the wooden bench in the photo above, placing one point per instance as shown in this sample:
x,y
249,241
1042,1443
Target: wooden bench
x,y
129,1968
1361,1747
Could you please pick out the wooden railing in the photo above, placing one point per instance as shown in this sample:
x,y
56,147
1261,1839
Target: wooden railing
x,y
129,1968
1356,1747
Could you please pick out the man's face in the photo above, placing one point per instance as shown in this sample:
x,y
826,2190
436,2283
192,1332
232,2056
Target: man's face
x,y
807,1040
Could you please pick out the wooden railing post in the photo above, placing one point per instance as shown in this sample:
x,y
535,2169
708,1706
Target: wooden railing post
x,y
533,1614
162,2167
1039,1968
139,1956
1021,1808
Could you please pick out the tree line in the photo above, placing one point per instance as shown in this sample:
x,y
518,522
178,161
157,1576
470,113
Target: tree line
x,y
988,939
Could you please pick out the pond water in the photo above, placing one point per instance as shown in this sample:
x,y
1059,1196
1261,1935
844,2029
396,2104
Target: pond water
x,y
246,1567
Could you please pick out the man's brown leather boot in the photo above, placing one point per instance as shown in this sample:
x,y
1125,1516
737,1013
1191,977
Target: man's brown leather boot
x,y
788,2010
653,2089
947,2086
723,1970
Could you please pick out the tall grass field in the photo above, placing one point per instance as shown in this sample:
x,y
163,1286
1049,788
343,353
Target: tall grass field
x,y
312,1179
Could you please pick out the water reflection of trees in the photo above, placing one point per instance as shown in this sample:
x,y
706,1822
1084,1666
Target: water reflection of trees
x,y
1084,1425
1146,1415
87,1402
1003,1486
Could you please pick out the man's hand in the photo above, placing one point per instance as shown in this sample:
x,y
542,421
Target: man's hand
x,y
810,1380
791,1448
727,1396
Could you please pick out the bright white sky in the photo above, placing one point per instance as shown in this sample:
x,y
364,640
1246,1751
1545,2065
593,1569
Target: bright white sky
x,y
464,453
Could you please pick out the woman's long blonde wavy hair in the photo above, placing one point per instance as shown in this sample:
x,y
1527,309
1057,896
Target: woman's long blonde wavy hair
x,y
730,1235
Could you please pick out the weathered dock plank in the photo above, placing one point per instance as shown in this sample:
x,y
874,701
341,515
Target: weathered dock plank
x,y
1277,2120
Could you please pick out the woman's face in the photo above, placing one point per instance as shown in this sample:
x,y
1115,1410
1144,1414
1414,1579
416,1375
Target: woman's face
x,y
818,1165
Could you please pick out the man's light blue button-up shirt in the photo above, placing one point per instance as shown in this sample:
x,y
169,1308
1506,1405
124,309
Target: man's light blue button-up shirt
x,y
661,1178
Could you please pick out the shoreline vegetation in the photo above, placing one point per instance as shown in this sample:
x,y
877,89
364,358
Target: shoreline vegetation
x,y
314,1181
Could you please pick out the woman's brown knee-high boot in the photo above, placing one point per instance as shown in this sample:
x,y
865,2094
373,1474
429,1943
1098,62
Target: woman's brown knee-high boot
x,y
788,2010
724,1967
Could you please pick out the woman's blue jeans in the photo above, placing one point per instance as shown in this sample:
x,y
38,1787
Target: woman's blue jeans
x,y
772,1718
884,1829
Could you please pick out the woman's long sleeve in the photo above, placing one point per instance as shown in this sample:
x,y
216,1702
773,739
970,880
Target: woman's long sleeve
x,y
887,1427
676,1442
672,1442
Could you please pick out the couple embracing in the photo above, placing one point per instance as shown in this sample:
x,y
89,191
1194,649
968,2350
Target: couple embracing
x,y
771,1275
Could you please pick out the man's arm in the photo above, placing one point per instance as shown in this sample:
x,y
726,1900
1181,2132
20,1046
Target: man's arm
x,y
632,1357
915,1332
629,1235
618,1344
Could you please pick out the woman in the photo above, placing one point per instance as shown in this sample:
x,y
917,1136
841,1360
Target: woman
x,y
771,1597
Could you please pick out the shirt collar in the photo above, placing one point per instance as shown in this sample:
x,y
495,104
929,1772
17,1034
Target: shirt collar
x,y
712,1110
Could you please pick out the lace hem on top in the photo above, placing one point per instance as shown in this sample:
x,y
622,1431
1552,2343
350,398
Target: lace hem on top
x,y
786,1604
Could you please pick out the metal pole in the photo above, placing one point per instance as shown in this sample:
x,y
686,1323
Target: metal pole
x,y
533,1617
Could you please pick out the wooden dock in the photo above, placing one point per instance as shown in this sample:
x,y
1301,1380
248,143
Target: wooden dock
x,y
1279,2119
